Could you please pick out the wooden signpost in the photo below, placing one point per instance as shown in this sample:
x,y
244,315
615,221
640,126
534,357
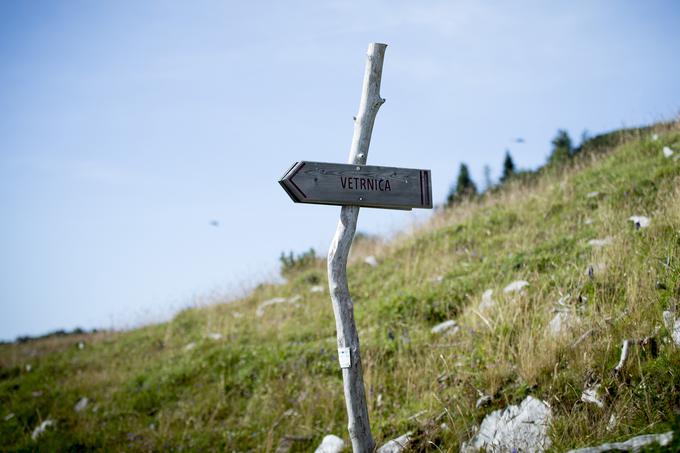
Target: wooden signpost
x,y
358,185
353,185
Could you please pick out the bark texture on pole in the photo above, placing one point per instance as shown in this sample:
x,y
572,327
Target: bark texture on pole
x,y
343,307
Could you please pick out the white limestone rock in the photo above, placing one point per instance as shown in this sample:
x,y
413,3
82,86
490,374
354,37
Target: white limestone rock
x,y
330,444
597,243
592,194
276,300
612,423
633,444
40,429
190,346
214,336
522,428
396,445
515,286
673,325
483,401
590,395
81,405
487,300
667,152
371,261
316,289
449,327
561,323
640,221
562,301
668,319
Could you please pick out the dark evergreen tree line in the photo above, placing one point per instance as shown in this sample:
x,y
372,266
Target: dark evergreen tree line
x,y
465,188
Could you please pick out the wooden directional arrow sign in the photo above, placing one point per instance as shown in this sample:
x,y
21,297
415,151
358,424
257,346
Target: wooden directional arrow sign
x,y
358,185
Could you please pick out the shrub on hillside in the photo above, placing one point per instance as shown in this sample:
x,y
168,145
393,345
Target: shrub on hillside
x,y
292,264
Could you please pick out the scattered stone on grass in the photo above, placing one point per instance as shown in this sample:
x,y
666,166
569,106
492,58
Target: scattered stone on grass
x,y
437,279
277,300
515,286
40,429
676,332
483,401
190,346
668,319
37,394
562,301
81,405
673,325
561,323
593,194
371,261
396,445
667,152
81,345
633,444
515,428
214,336
588,221
589,395
28,367
597,243
9,416
449,327
639,221
291,413
316,289
612,423
487,301
330,444
655,137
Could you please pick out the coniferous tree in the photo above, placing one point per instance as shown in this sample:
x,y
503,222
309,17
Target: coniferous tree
x,y
508,166
487,178
562,148
465,187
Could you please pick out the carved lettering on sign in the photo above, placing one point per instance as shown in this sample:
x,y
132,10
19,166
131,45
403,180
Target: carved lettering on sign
x,y
382,185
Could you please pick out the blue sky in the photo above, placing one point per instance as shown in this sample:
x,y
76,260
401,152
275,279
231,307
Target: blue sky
x,y
127,127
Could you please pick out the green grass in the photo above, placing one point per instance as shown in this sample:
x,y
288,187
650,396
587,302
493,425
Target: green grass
x,y
277,375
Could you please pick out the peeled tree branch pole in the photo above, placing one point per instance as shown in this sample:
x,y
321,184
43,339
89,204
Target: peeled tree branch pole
x,y
343,307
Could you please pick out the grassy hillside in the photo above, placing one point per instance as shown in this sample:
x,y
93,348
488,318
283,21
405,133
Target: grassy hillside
x,y
224,378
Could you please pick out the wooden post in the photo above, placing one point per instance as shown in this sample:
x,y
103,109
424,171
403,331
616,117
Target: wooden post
x,y
343,307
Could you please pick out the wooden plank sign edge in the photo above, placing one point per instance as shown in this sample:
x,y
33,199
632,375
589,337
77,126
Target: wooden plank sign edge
x,y
369,176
